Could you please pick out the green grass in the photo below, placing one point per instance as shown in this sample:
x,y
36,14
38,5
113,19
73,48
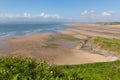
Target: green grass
x,y
107,44
108,23
71,39
51,45
64,37
109,33
19,68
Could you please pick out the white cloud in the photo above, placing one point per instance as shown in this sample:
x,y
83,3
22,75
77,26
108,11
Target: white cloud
x,y
28,15
44,15
87,13
105,14
108,14
91,15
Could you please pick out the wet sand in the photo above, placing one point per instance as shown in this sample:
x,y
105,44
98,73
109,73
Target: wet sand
x,y
65,53
5,47
90,30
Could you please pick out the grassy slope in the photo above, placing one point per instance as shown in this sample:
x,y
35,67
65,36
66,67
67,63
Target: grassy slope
x,y
107,44
18,68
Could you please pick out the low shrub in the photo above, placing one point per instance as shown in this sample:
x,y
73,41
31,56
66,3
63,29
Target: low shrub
x,y
19,68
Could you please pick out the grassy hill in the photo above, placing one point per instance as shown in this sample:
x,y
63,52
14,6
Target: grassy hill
x,y
19,68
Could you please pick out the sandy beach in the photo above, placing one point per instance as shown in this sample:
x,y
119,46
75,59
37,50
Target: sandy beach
x,y
60,51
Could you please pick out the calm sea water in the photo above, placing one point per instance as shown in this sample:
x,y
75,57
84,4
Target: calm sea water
x,y
15,30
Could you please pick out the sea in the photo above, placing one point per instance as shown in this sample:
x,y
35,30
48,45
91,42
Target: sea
x,y
16,30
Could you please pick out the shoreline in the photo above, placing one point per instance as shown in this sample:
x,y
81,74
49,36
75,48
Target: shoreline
x,y
55,49
28,29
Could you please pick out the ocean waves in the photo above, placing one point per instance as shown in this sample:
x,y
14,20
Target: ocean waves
x,y
16,30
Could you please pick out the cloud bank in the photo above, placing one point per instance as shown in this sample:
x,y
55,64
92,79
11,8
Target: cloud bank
x,y
91,15
29,15
108,14
84,16
44,15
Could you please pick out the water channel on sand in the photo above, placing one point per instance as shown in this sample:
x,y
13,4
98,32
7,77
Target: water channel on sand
x,y
5,47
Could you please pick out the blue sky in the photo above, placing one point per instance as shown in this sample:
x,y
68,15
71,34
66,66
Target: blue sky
x,y
61,10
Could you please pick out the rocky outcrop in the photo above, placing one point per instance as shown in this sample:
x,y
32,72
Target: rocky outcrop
x,y
91,47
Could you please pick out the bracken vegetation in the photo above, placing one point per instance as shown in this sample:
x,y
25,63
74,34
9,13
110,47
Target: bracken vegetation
x,y
107,44
19,68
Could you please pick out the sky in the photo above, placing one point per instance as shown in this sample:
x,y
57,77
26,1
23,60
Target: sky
x,y
60,10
